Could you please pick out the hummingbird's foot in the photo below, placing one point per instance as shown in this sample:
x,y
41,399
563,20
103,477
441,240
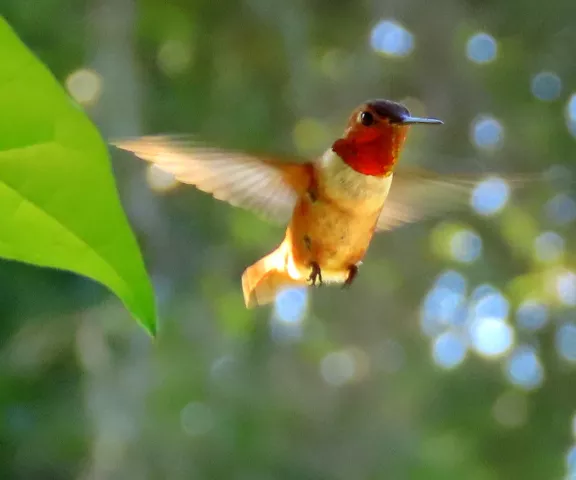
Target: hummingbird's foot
x,y
352,272
316,274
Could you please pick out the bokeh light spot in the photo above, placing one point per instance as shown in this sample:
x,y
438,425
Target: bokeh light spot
x,y
197,419
491,337
532,315
391,38
571,462
310,136
549,247
465,246
566,288
223,368
523,368
85,86
487,132
546,86
490,196
442,307
492,304
290,304
174,56
482,291
571,114
449,350
559,176
510,409
452,280
334,64
482,48
289,309
571,107
566,341
444,304
561,209
338,368
490,334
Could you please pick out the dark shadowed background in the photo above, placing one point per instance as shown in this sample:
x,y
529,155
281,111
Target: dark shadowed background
x,y
453,355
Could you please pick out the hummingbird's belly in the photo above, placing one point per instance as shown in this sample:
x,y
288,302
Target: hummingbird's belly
x,y
341,240
334,239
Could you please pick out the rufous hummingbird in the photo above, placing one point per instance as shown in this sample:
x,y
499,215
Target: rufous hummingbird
x,y
332,205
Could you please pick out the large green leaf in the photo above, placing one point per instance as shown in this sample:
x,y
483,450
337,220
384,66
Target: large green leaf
x,y
58,200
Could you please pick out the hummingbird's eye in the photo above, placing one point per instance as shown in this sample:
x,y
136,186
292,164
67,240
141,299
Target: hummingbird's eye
x,y
366,119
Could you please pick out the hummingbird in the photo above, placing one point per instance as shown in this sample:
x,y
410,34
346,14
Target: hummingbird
x,y
331,206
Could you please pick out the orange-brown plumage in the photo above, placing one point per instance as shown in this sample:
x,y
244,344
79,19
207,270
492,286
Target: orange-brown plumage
x,y
332,206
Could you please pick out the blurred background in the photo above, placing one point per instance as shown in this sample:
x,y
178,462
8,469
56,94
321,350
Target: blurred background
x,y
453,355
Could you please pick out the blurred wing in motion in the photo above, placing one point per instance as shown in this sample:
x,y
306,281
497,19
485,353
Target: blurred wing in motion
x,y
268,187
418,194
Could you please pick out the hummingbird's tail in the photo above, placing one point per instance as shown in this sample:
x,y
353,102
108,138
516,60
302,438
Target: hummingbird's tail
x,y
265,278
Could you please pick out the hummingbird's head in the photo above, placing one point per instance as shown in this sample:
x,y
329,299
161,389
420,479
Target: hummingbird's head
x,y
375,134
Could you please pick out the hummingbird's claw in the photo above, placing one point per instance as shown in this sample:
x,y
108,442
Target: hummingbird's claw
x,y
352,272
316,274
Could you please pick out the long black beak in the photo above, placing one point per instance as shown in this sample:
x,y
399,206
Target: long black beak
x,y
413,120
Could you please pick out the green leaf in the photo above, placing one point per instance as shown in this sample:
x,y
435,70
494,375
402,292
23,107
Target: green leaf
x,y
58,200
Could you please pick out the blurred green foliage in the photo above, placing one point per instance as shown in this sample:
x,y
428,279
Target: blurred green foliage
x,y
355,390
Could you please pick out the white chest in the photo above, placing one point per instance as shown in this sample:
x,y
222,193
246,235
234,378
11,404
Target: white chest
x,y
342,183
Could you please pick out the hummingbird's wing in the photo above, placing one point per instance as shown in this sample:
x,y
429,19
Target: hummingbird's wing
x,y
266,186
417,194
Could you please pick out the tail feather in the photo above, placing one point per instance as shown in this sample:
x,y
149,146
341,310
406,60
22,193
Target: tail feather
x,y
265,278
